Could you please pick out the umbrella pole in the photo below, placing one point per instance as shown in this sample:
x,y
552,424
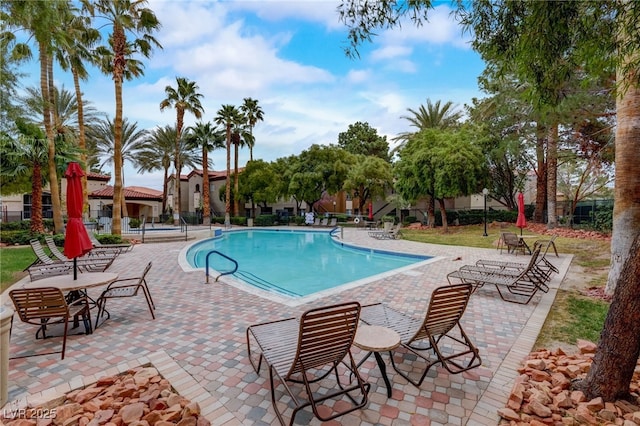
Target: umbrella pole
x,y
75,268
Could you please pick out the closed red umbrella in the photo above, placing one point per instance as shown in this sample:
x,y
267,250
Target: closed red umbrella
x,y
76,239
370,211
522,221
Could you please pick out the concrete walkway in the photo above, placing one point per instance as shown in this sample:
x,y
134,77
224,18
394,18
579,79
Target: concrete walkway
x,y
197,340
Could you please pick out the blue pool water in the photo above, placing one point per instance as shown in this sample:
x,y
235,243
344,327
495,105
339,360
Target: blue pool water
x,y
295,263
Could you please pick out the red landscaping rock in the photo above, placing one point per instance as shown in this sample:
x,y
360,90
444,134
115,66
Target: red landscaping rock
x,y
138,397
542,394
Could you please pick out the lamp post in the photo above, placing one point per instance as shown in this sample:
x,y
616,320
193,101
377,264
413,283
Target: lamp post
x,y
334,207
485,192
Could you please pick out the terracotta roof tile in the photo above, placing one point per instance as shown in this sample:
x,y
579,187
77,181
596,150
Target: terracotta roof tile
x,y
130,192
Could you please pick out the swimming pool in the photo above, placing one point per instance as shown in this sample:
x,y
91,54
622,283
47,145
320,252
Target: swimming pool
x,y
295,263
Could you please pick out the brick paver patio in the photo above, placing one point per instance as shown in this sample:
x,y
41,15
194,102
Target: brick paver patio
x,y
197,340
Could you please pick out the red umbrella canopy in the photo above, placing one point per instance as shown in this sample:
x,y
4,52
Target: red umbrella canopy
x,y
522,221
76,239
370,211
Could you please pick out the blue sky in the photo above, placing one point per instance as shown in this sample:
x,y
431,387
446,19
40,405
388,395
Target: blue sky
x,y
289,56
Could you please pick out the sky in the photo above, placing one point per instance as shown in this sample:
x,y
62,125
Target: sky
x,y
289,55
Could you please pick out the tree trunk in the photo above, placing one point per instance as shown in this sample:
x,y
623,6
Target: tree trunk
x,y
617,354
36,224
626,209
119,62
552,173
178,166
165,189
227,200
206,208
431,212
81,142
541,175
56,205
443,214
236,202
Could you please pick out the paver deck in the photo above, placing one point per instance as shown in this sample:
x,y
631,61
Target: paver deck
x,y
197,340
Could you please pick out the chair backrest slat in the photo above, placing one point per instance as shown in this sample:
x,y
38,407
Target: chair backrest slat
x,y
55,251
39,251
36,303
446,307
325,336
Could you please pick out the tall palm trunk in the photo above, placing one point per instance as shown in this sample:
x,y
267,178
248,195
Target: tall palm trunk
x,y
119,48
206,209
36,225
227,201
236,202
81,141
552,174
178,166
45,59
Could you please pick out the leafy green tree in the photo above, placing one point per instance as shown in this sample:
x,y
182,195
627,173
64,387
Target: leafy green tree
x,y
253,113
360,138
581,35
184,98
208,138
442,164
118,58
317,171
368,179
257,184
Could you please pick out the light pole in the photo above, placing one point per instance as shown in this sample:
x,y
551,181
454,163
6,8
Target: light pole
x,y
334,207
485,192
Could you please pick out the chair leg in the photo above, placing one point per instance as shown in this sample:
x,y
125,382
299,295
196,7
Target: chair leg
x,y
149,301
144,283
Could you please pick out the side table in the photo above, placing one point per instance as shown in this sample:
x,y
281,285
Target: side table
x,y
376,339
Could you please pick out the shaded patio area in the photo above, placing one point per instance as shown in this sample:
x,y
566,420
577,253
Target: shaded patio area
x,y
197,340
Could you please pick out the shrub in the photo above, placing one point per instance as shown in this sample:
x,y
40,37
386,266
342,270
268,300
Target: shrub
x,y
134,223
603,218
238,220
18,237
22,225
299,220
410,219
109,239
265,220
342,218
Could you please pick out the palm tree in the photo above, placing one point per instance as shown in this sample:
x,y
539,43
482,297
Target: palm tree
x,y
123,16
433,116
156,153
208,138
239,137
104,134
184,98
72,56
41,19
23,161
253,112
228,116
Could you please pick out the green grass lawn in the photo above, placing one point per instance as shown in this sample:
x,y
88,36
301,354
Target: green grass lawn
x,y
13,260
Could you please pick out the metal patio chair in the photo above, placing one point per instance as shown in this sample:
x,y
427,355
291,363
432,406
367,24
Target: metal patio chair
x,y
439,331
45,306
307,351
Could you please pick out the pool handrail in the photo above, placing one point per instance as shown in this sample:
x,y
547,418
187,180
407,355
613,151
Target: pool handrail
x,y
206,265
